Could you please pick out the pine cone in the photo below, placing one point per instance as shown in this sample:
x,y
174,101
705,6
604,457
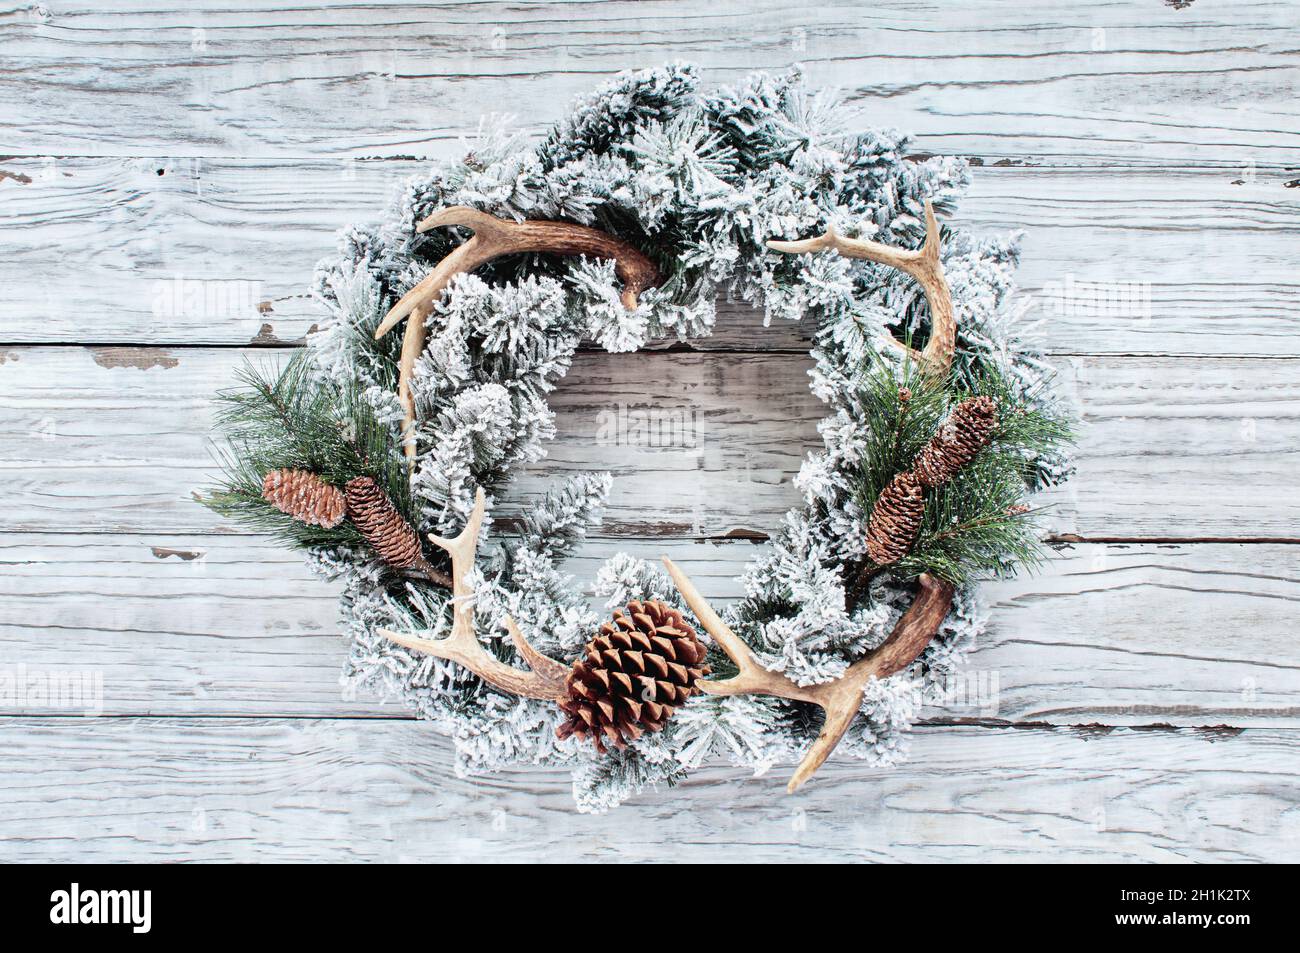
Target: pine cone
x,y
305,497
966,432
633,676
895,519
394,539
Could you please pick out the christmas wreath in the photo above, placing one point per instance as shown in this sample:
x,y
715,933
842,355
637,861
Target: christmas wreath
x,y
625,223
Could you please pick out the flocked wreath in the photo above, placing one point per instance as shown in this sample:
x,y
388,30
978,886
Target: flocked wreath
x,y
625,223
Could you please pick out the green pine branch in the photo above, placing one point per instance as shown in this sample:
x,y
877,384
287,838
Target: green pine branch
x,y
978,524
299,419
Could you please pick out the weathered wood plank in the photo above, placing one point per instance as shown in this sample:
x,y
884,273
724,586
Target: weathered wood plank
x,y
115,440
1142,82
222,625
205,625
206,251
305,790
192,251
1133,634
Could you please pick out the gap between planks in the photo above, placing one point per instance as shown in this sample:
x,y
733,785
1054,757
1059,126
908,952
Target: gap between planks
x,y
1084,730
277,348
503,528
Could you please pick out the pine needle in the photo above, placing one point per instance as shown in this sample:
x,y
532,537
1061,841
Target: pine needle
x,y
977,525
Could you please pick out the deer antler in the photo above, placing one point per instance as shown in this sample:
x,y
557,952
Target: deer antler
x,y
545,681
494,237
923,265
840,699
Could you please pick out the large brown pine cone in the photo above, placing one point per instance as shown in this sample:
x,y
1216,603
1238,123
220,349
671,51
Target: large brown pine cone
x,y
304,496
633,676
391,537
966,432
895,519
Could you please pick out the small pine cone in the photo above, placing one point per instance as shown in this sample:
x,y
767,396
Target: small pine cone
x,y
394,539
633,675
895,519
305,497
966,432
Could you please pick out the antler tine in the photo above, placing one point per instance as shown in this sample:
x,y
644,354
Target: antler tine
x,y
922,264
412,348
494,237
752,679
488,230
841,698
544,681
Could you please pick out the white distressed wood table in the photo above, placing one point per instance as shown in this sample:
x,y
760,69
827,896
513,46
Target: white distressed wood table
x,y
171,172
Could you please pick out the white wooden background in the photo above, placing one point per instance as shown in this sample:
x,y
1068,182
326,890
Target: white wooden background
x,y
1147,681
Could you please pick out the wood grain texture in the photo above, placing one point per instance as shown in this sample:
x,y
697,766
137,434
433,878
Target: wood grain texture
x,y
700,444
169,173
204,251
199,626
1098,79
243,790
